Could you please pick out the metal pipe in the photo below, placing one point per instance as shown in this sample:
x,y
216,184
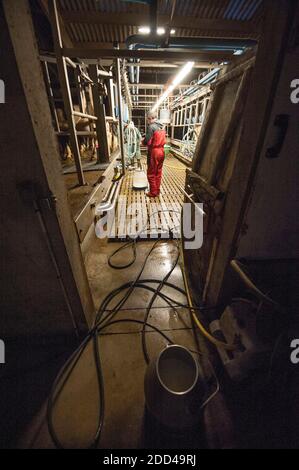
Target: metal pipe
x,y
153,7
138,41
104,73
203,81
127,89
148,86
44,230
131,73
248,282
137,74
70,62
120,115
109,204
189,197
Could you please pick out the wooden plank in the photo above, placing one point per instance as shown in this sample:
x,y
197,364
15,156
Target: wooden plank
x,y
203,138
226,138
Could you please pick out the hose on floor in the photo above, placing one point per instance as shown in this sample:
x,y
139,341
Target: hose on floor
x,y
216,342
104,319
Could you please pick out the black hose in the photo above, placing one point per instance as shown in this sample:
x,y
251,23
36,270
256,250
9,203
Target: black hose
x,y
103,321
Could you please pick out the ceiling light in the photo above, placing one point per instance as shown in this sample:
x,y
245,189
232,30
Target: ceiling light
x,y
238,52
160,31
182,73
172,31
144,29
176,81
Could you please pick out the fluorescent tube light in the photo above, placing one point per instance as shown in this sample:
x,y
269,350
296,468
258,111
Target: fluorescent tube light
x,y
175,82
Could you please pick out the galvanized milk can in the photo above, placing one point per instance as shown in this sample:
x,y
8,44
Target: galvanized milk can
x,y
173,389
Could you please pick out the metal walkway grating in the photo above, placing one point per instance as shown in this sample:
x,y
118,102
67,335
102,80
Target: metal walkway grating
x,y
160,215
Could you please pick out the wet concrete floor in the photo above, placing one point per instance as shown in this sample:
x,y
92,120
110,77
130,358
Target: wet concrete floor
x,y
126,424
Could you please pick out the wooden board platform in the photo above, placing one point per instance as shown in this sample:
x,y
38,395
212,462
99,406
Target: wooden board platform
x,y
156,216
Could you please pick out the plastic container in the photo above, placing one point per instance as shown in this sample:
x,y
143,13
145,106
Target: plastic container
x,y
167,149
164,116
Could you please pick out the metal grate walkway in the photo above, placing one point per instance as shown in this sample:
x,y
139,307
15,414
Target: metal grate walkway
x,y
135,211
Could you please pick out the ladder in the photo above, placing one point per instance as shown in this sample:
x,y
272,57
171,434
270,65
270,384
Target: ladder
x,y
90,74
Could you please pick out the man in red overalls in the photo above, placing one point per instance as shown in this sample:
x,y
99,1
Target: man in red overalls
x,y
155,141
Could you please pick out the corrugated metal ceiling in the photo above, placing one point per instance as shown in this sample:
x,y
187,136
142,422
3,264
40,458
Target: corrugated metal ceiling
x,y
232,10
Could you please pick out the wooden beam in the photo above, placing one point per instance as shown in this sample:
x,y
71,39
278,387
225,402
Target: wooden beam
x,y
207,56
205,26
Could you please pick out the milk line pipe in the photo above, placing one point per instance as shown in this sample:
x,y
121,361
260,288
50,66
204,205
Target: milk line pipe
x,y
188,196
248,282
120,116
110,203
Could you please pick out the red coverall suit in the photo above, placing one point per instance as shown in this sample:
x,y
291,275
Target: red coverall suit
x,y
155,157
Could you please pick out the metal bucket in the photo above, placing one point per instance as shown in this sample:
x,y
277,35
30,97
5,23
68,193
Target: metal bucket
x,y
173,390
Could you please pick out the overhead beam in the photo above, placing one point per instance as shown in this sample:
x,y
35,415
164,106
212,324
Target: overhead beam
x,y
205,26
207,56
147,96
167,65
152,85
142,63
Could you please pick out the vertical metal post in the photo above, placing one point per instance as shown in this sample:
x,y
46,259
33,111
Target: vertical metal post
x,y
111,97
65,88
99,111
153,16
120,115
196,111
